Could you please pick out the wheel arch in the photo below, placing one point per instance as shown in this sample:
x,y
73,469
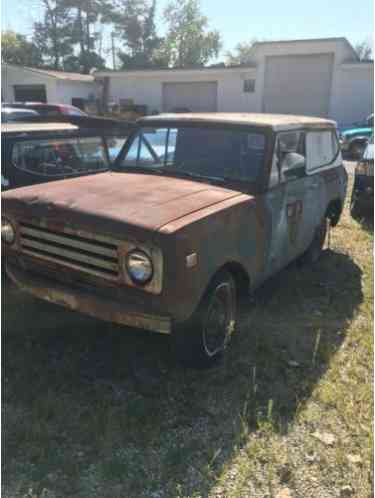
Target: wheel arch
x,y
239,273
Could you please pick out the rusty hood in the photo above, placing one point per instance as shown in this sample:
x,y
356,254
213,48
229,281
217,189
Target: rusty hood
x,y
112,199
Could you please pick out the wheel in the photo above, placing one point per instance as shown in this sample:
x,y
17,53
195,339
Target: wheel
x,y
201,341
357,149
315,249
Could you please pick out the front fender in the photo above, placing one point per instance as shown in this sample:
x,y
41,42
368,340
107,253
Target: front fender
x,y
233,234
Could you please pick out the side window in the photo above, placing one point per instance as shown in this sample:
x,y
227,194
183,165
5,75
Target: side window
x,y
322,148
60,157
275,172
290,155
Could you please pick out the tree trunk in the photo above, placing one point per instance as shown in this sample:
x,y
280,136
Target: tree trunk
x,y
81,37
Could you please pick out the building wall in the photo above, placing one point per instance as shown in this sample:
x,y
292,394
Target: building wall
x,y
350,93
66,90
11,76
341,51
353,93
145,88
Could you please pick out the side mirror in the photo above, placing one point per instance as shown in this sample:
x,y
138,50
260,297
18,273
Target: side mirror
x,y
293,165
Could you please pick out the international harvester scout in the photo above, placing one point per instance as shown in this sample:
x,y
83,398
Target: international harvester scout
x,y
198,208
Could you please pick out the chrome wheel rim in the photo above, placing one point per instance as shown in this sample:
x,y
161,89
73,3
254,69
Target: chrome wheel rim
x,y
219,320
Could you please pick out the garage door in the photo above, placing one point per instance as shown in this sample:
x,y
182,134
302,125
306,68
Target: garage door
x,y
30,93
195,96
298,84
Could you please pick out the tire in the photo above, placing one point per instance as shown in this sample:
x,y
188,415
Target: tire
x,y
315,249
201,341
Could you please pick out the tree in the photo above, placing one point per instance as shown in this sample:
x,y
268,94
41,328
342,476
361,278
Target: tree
x,y
135,26
53,35
86,14
188,41
242,53
364,50
16,49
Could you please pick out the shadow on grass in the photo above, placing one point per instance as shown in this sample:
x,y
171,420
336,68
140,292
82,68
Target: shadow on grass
x,y
92,408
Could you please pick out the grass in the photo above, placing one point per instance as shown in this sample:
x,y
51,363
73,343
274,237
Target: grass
x,y
95,410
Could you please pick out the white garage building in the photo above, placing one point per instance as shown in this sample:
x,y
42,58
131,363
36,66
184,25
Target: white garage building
x,y
320,77
21,84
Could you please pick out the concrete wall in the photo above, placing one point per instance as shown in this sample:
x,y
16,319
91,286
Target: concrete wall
x,y
145,87
66,90
11,76
350,93
58,91
353,93
341,51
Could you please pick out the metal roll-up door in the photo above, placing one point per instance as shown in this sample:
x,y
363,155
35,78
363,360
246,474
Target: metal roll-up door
x,y
196,96
299,84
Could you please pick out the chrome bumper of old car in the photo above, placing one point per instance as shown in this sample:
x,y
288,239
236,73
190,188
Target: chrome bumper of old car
x,y
86,302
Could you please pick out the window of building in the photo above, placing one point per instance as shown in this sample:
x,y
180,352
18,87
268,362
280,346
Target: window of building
x,y
249,86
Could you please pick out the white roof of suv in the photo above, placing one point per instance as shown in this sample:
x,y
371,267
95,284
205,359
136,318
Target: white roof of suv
x,y
275,121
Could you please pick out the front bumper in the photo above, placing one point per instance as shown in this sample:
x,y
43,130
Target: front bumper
x,y
93,305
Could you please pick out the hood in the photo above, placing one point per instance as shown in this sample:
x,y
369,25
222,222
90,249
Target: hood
x,y
144,201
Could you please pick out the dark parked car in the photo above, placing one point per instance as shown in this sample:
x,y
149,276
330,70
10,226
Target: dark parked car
x,y
40,152
362,201
14,114
354,139
198,208
49,110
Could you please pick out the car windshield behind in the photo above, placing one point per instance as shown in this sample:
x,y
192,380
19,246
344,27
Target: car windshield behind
x,y
60,156
197,152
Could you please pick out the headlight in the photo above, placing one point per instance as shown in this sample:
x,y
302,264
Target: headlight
x,y
8,234
139,267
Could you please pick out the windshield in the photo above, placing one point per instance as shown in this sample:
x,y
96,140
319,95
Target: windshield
x,y
60,157
197,152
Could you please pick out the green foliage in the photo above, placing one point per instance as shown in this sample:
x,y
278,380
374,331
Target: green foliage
x,y
68,34
242,53
135,26
364,50
188,41
52,35
16,49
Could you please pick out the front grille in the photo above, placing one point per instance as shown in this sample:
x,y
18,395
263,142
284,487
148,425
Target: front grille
x,y
80,252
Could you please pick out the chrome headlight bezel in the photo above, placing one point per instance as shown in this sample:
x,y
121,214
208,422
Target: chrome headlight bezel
x,y
139,267
8,232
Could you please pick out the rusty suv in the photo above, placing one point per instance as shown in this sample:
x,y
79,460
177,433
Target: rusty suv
x,y
197,208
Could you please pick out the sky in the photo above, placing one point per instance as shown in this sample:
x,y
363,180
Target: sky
x,y
242,20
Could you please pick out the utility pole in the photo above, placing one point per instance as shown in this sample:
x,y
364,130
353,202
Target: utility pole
x,y
113,51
